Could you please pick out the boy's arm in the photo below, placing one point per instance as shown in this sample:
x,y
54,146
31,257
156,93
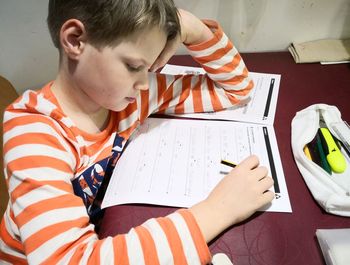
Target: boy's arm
x,y
225,84
48,224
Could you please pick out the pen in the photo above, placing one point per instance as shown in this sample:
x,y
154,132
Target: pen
x,y
342,130
227,163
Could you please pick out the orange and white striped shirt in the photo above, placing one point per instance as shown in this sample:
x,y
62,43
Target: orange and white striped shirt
x,y
46,157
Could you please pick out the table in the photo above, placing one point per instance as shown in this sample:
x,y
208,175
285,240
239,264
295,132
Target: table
x,y
271,238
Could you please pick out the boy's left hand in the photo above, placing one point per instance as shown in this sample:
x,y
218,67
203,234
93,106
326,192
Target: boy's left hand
x,y
193,31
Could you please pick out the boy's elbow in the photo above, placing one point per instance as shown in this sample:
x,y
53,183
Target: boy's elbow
x,y
240,91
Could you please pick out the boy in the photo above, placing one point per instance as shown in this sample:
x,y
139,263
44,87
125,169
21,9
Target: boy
x,y
60,142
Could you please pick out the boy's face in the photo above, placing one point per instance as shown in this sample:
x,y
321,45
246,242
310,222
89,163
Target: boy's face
x,y
112,77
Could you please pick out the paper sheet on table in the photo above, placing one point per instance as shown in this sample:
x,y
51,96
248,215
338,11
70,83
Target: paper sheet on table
x,y
176,162
263,100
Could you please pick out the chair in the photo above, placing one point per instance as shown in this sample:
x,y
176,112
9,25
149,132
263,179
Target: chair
x,y
7,95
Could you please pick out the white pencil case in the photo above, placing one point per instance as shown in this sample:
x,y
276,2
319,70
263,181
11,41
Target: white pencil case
x,y
332,192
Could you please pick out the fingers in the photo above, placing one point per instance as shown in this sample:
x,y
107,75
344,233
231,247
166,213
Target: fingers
x,y
265,184
250,162
168,51
160,62
267,197
260,172
259,177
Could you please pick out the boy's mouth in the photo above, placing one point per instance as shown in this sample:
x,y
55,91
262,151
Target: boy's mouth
x,y
130,99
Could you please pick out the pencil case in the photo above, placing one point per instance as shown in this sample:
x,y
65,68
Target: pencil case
x,y
331,191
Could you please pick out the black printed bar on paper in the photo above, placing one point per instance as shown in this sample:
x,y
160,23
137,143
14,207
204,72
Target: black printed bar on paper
x,y
272,163
268,101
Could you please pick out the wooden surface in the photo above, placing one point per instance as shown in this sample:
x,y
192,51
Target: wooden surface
x,y
7,95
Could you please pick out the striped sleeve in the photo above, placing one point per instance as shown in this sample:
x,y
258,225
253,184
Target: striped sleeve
x,y
225,83
47,223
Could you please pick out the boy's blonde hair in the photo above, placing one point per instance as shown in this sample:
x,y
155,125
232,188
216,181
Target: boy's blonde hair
x,y
106,21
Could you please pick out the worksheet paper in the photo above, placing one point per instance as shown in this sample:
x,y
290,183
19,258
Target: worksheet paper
x,y
260,108
176,162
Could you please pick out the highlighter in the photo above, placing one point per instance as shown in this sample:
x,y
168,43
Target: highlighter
x,y
322,152
307,152
335,158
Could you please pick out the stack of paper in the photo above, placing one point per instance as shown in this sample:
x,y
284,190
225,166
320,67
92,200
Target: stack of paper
x,y
176,162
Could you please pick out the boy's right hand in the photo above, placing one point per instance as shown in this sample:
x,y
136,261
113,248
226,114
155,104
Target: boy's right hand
x,y
193,31
236,197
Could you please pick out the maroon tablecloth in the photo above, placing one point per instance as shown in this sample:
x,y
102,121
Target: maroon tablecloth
x,y
271,238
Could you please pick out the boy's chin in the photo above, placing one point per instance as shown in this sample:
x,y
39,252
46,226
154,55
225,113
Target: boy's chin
x,y
121,107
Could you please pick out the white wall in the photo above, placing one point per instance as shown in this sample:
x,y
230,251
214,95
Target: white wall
x,y
28,59
271,25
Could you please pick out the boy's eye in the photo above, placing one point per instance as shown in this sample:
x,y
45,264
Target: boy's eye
x,y
133,68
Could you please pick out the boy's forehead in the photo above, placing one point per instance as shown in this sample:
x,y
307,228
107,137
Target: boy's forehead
x,y
153,34
144,45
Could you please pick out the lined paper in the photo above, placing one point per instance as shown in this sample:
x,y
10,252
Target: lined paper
x,y
176,162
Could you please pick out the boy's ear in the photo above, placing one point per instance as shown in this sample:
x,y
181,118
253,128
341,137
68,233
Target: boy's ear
x,y
73,38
